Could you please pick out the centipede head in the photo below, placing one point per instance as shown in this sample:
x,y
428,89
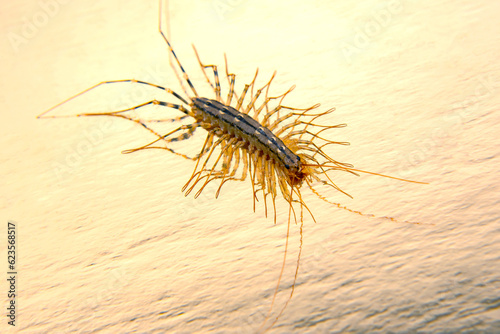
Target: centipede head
x,y
297,176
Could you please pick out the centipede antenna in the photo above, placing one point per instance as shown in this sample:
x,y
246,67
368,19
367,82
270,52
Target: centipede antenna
x,y
298,261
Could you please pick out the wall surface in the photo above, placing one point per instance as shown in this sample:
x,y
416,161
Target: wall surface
x,y
107,242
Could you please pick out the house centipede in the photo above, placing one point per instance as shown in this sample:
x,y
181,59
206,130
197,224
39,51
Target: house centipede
x,y
279,148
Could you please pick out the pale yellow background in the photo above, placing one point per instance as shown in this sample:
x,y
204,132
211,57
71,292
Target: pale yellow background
x,y
112,245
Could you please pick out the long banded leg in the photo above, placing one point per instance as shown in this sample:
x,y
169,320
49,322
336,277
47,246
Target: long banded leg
x,y
190,127
230,176
251,104
207,146
210,174
179,107
307,142
245,90
169,120
276,110
252,161
242,97
309,123
231,78
268,99
270,180
227,145
185,75
271,184
153,102
228,157
168,90
198,174
263,180
216,76
119,113
266,87
244,158
304,131
298,122
253,84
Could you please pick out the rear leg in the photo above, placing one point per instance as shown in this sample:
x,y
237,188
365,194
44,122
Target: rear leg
x,y
120,113
172,54
186,135
168,90
168,120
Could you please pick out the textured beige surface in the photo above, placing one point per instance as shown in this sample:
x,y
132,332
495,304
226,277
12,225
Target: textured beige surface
x,y
108,243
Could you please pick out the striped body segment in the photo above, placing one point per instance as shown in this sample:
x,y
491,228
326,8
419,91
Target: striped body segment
x,y
245,129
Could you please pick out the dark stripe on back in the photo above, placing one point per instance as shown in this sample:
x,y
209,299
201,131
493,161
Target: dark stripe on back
x,y
250,127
